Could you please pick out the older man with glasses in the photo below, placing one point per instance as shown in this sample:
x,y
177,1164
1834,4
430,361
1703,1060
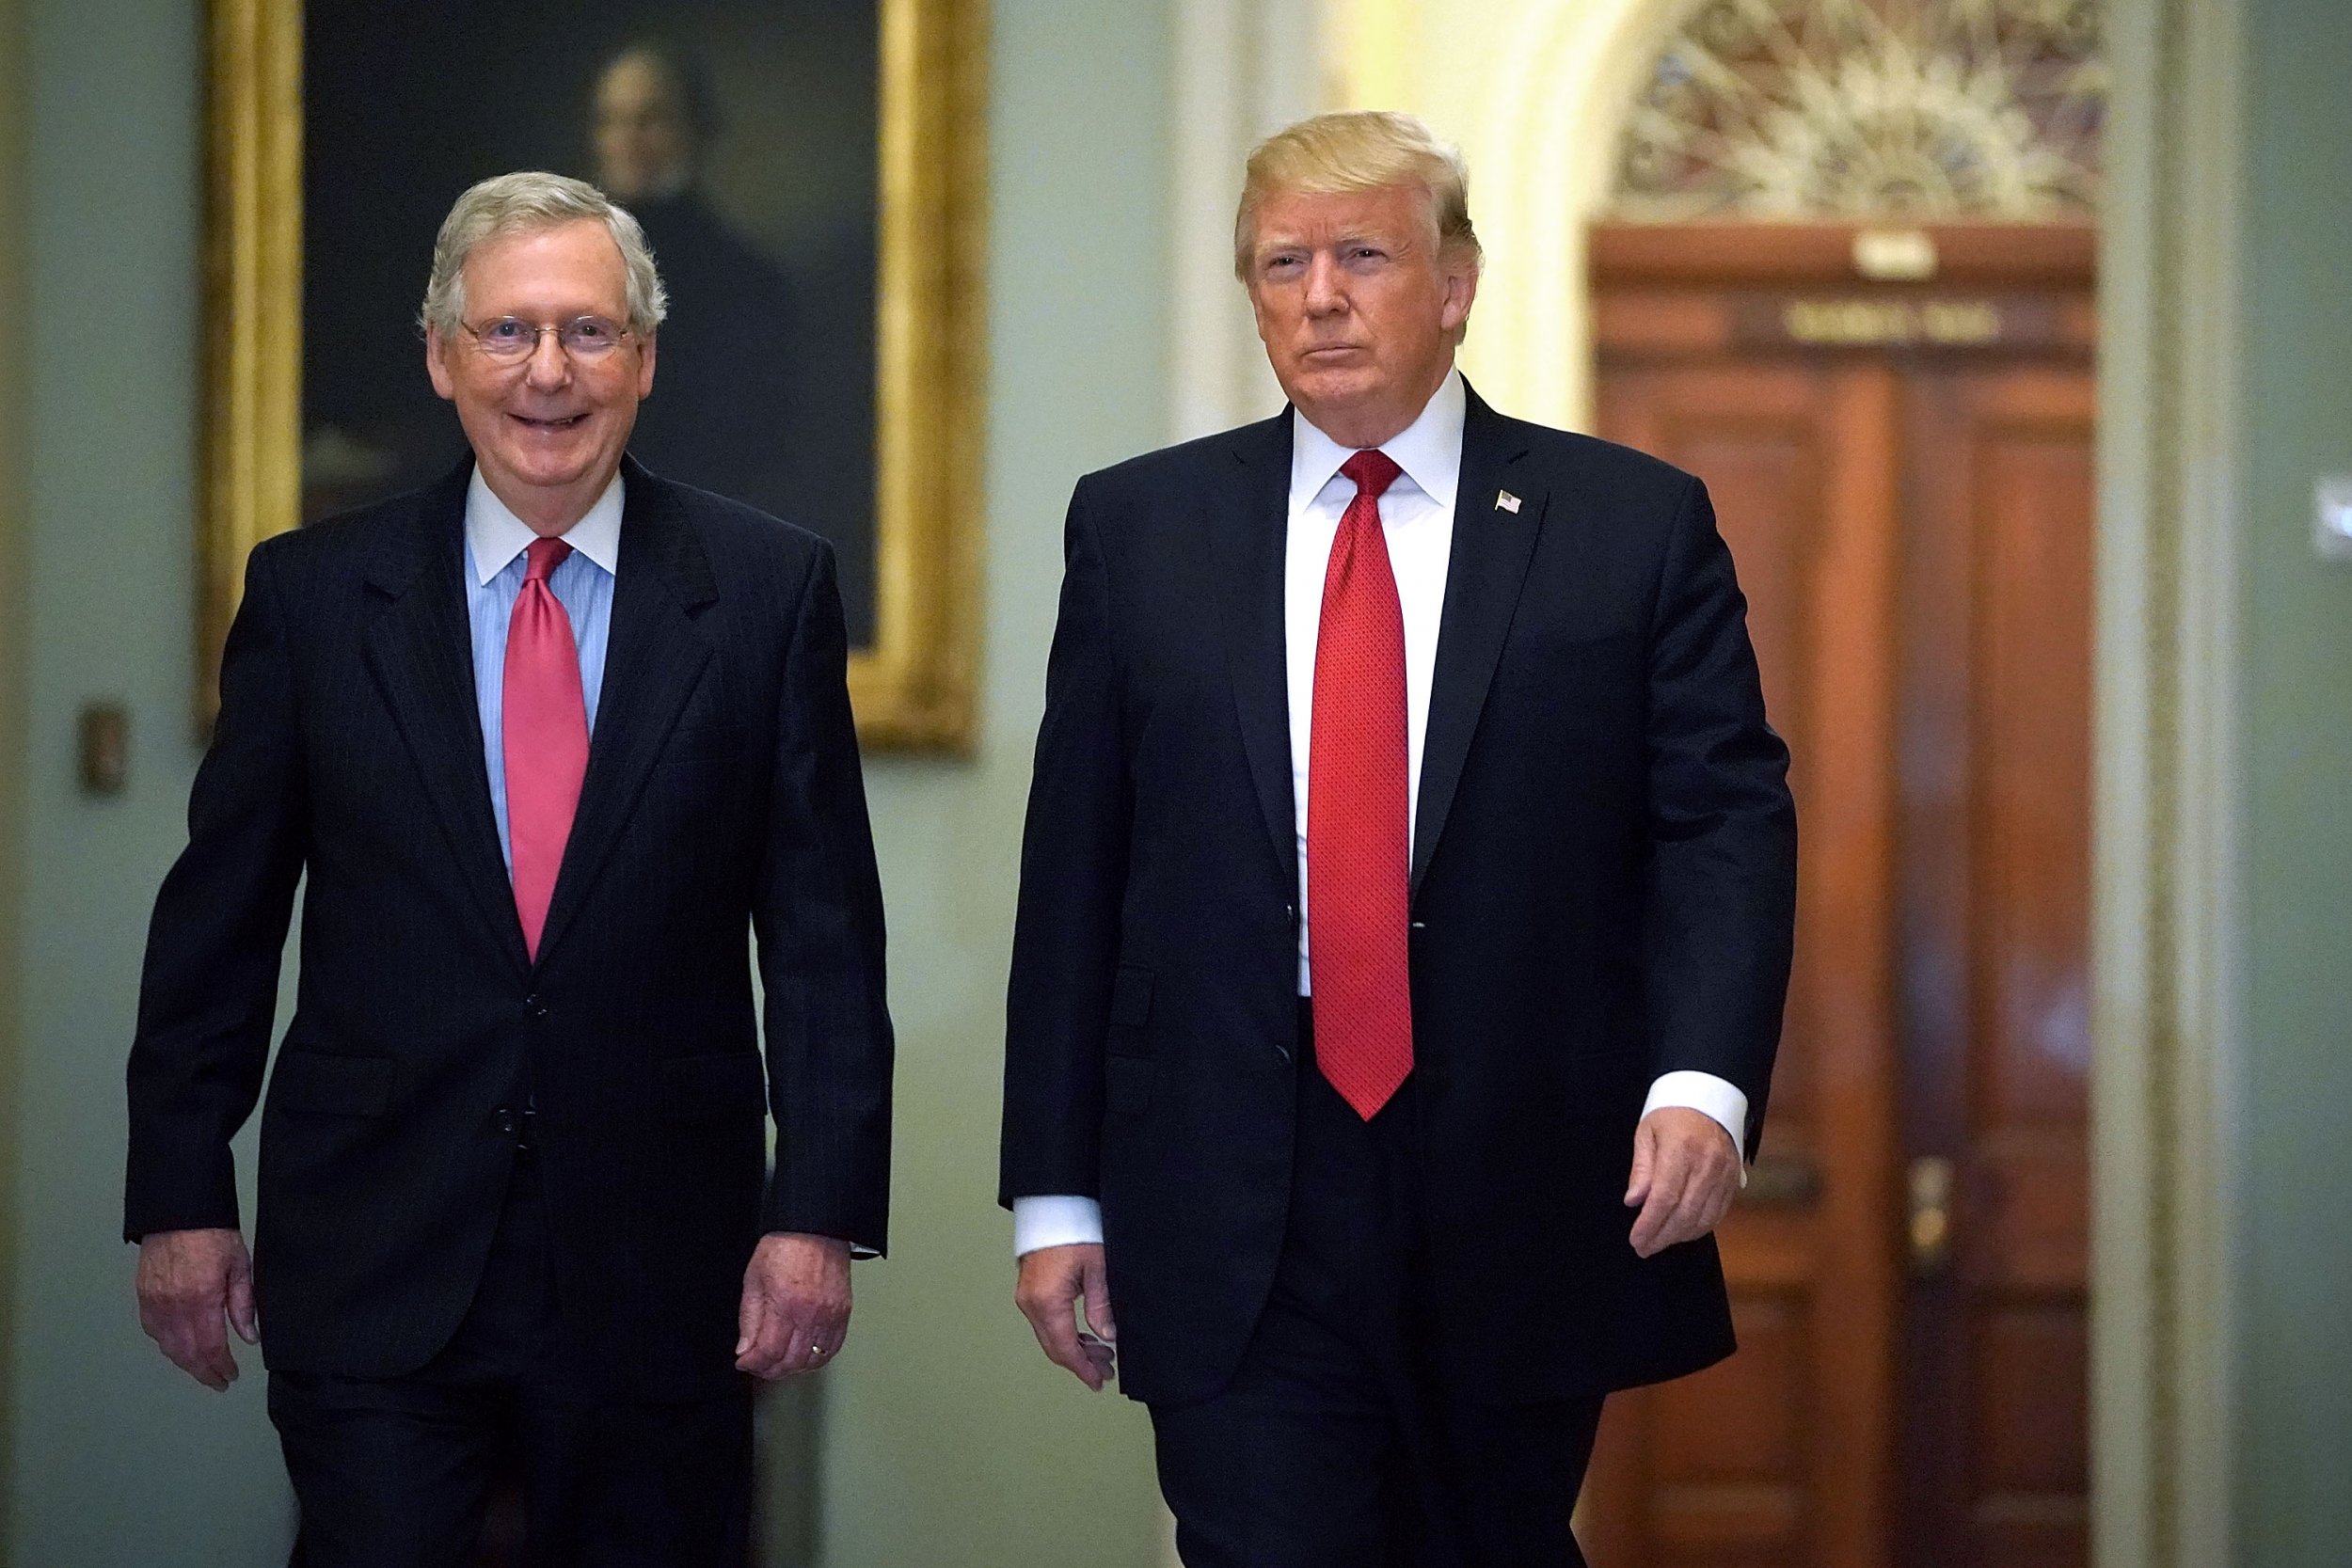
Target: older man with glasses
x,y
545,744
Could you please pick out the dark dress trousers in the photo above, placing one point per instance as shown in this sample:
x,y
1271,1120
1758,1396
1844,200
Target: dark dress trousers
x,y
1603,880
722,798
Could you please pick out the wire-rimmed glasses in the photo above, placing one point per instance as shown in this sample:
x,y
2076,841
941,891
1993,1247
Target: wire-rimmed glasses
x,y
511,340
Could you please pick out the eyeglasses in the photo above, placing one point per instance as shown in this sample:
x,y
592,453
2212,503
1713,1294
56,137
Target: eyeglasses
x,y
513,340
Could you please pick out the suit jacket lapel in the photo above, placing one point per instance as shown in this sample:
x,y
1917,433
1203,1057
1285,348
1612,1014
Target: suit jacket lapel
x,y
1484,574
654,658
421,652
1247,517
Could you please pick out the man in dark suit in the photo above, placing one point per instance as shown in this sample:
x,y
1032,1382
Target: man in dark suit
x,y
550,740
1451,723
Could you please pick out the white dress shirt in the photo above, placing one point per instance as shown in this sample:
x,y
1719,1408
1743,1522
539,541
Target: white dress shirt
x,y
1417,524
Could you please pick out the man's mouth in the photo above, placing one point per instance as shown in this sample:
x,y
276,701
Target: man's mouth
x,y
559,422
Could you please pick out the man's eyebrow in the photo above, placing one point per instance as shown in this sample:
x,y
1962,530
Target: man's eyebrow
x,y
1366,237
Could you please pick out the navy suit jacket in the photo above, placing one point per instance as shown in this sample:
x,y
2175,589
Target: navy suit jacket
x,y
722,796
1603,888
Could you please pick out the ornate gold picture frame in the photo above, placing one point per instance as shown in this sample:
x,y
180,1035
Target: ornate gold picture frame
x,y
911,682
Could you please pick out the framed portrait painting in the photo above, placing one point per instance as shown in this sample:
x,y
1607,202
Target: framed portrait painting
x,y
810,175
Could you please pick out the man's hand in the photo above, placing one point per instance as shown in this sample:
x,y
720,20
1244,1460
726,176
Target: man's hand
x,y
1685,1171
1054,1281
190,1282
796,1305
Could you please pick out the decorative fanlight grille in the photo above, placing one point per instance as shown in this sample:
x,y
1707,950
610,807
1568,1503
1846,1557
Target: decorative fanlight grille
x,y
1922,110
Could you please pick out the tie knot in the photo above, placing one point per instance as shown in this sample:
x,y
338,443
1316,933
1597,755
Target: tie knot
x,y
545,555
1372,470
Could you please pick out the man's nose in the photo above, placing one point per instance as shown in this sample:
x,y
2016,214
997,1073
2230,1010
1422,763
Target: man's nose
x,y
1327,291
549,366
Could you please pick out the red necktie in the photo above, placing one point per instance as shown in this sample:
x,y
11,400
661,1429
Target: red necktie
x,y
546,725
1357,828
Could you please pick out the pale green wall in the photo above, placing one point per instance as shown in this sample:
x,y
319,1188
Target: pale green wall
x,y
117,1459
950,1442
2295,1456
12,645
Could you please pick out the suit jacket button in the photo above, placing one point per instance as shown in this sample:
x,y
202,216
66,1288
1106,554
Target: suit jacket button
x,y
535,1006
1282,1053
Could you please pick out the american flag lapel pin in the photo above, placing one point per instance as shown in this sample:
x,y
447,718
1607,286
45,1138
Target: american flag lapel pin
x,y
1506,501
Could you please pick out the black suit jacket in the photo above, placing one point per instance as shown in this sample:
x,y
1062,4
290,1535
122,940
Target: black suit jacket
x,y
1603,889
722,795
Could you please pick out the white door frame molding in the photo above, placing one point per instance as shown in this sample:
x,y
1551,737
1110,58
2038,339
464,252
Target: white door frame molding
x,y
2168,921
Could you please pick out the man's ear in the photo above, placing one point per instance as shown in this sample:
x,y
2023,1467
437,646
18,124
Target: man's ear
x,y
435,349
645,364
1461,289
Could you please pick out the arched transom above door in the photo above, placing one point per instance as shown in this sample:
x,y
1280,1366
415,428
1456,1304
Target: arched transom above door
x,y
1919,110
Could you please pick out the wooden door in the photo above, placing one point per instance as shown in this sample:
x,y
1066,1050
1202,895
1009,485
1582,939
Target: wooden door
x,y
1995,923
1902,471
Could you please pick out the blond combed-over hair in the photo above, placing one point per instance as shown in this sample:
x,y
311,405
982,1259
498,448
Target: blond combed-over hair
x,y
524,204
1358,149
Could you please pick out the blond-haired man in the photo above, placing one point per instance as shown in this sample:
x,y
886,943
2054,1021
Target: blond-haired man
x,y
1405,918
549,739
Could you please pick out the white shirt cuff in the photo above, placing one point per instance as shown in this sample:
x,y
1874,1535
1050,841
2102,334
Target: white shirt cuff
x,y
1057,1221
1061,1219
1712,1097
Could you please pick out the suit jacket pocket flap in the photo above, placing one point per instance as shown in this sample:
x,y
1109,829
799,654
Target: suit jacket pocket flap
x,y
713,1088
316,1084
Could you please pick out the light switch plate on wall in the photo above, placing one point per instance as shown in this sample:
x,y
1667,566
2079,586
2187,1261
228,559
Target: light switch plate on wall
x,y
2332,517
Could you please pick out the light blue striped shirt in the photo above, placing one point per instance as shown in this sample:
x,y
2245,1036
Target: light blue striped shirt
x,y
496,540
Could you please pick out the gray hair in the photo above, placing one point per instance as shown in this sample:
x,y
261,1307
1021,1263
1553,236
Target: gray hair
x,y
526,203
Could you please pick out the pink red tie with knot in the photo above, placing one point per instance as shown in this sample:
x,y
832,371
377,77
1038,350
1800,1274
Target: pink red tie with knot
x,y
546,739
1358,829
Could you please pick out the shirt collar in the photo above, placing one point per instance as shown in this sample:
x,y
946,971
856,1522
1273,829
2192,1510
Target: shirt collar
x,y
1429,449
495,536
